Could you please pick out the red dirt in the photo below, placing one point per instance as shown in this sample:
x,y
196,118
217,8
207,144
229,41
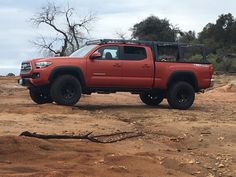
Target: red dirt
x,y
197,142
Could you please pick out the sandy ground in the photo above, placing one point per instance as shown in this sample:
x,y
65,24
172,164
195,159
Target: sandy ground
x,y
197,142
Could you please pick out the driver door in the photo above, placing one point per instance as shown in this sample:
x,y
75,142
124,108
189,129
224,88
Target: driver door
x,y
105,71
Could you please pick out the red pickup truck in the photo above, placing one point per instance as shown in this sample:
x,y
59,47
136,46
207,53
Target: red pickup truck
x,y
154,70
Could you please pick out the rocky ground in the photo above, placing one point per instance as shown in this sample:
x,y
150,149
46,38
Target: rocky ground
x,y
200,141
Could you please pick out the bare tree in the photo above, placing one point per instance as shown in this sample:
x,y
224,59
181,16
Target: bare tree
x,y
123,35
69,36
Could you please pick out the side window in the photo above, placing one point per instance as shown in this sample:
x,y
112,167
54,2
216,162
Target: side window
x,y
181,54
134,53
109,53
168,53
191,54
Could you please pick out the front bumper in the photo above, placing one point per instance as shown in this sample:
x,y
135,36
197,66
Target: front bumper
x,y
37,78
25,82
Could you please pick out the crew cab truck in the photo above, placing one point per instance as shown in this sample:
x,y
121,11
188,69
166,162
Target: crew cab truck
x,y
154,70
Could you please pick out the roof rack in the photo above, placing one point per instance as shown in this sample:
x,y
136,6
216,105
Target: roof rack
x,y
140,42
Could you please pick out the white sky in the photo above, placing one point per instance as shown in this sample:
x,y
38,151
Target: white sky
x,y
16,31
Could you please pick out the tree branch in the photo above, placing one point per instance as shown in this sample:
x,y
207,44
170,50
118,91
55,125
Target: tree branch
x,y
71,34
47,46
108,138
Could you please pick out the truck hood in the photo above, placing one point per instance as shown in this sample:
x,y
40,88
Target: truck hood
x,y
49,59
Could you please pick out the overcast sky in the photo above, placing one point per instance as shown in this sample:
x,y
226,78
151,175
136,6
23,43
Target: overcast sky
x,y
16,31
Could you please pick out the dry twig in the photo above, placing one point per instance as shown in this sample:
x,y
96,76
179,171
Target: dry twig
x,y
108,138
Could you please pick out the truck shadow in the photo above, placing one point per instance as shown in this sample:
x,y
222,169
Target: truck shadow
x,y
118,107
95,107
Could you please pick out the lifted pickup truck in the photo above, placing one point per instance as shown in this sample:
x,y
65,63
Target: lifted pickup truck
x,y
154,70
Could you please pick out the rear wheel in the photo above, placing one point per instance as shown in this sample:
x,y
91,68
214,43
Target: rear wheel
x,y
152,98
66,90
40,97
181,95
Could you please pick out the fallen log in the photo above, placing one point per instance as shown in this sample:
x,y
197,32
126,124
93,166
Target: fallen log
x,y
107,138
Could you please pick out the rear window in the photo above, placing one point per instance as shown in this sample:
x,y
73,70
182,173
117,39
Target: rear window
x,y
134,53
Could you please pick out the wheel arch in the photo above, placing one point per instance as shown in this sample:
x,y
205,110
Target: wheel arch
x,y
67,70
187,76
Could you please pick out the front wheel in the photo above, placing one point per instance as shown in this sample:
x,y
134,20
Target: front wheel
x,y
152,98
40,97
181,95
66,90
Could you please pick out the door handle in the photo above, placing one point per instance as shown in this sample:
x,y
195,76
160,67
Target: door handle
x,y
117,65
146,66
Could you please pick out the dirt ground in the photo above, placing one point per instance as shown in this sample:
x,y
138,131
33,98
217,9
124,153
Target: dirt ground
x,y
198,142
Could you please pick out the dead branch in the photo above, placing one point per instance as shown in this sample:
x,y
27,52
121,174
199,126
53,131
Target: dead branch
x,y
205,133
47,46
86,21
108,138
71,34
121,35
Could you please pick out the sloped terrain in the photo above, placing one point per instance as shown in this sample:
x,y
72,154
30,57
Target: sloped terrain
x,y
197,142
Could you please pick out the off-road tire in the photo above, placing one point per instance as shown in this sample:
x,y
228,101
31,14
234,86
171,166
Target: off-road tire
x,y
152,98
66,90
181,95
40,97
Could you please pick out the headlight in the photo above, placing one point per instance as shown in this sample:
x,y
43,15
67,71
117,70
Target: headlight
x,y
42,64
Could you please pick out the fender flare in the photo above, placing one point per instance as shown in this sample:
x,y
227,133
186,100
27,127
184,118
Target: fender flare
x,y
73,70
176,74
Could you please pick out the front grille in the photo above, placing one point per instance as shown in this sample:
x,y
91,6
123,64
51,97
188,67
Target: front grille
x,y
25,68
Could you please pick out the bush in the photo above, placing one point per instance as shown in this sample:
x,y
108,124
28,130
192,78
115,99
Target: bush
x,y
10,75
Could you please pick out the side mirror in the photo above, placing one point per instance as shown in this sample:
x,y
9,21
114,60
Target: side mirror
x,y
96,55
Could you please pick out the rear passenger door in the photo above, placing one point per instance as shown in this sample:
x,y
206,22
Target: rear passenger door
x,y
138,68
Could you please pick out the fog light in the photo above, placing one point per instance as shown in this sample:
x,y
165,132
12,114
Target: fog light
x,y
35,75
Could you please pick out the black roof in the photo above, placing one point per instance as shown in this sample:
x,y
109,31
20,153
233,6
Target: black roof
x,y
157,43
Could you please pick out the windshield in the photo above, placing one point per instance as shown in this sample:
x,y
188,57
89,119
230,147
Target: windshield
x,y
82,51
